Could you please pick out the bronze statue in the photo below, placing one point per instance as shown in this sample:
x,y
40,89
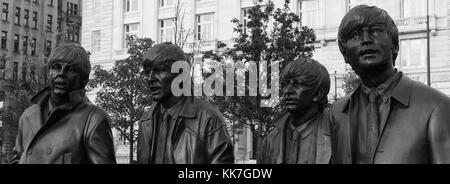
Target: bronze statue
x,y
62,126
301,134
179,129
389,118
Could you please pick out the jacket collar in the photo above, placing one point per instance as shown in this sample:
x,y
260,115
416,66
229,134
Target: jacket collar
x,y
401,92
185,108
75,97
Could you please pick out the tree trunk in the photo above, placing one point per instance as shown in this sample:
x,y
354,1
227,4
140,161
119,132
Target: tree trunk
x,y
131,143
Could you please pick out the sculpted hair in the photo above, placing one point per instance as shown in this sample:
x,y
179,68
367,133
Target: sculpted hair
x,y
72,53
163,56
361,16
310,72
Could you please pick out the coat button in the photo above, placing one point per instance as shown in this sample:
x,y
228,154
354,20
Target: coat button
x,y
49,150
29,152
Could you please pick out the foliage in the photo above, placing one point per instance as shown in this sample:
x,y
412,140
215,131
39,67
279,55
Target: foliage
x,y
270,35
124,92
351,81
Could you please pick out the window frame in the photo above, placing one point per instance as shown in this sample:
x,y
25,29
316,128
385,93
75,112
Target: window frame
x,y
199,26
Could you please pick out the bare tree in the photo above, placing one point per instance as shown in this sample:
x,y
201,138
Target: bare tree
x,y
181,33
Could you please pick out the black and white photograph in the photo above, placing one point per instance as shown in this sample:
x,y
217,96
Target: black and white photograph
x,y
248,83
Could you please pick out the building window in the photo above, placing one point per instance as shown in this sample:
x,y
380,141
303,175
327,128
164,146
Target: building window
x,y
2,68
96,40
34,20
72,8
131,5
4,39
15,70
204,31
309,13
25,45
68,9
5,12
354,3
58,25
24,71
413,53
76,36
2,64
130,29
48,48
33,72
49,23
17,17
95,6
245,20
33,46
167,27
414,8
166,3
26,16
16,43
75,9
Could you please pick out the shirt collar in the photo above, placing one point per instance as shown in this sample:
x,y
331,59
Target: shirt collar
x,y
185,108
75,97
303,130
401,92
385,89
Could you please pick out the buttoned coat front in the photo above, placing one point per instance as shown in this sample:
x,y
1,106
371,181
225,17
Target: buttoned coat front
x,y
416,130
78,133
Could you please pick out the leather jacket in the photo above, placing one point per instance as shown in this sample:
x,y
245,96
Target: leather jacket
x,y
76,133
198,136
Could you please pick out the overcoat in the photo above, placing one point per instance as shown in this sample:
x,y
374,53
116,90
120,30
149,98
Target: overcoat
x,y
77,133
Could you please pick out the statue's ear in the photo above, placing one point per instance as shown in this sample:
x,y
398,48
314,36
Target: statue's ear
x,y
319,95
395,50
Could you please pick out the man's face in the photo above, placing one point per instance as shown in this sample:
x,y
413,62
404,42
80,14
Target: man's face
x,y
369,46
297,94
160,80
64,77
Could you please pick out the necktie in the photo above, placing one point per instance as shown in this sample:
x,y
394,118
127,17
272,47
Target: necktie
x,y
162,138
373,121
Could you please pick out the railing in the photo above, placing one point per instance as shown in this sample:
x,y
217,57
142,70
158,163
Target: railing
x,y
411,21
200,46
403,24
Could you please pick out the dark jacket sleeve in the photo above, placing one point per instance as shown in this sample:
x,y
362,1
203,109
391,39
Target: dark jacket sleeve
x,y
219,145
99,142
439,133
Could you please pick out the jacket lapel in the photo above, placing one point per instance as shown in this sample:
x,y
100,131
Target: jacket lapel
x,y
42,98
401,93
35,123
148,132
323,149
280,141
351,109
